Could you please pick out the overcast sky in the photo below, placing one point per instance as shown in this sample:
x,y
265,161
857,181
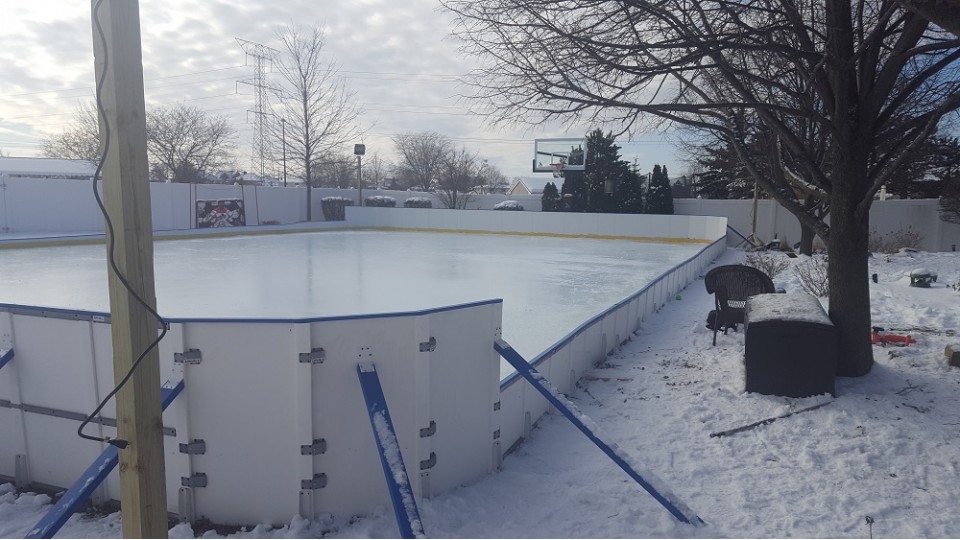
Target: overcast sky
x,y
397,55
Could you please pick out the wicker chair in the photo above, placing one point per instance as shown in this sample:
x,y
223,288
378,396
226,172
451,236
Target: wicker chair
x,y
730,286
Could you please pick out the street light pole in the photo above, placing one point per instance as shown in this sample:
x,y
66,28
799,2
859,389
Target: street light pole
x,y
283,129
480,178
359,150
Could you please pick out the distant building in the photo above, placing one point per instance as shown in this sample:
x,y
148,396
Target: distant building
x,y
533,186
27,167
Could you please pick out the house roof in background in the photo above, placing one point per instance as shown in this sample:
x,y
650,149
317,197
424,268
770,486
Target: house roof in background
x,y
47,167
536,184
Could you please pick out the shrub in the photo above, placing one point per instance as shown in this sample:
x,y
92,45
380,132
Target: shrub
x,y
334,208
813,275
417,202
895,241
550,200
380,201
770,264
508,205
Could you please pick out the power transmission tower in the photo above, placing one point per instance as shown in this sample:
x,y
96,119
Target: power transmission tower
x,y
262,57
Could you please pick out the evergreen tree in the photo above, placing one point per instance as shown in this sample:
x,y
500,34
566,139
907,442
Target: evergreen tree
x,y
550,200
659,194
574,185
607,185
596,189
604,171
725,176
630,195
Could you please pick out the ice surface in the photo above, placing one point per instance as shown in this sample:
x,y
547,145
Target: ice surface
x,y
549,285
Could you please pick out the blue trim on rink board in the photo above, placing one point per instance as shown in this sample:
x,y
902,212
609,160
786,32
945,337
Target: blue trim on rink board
x,y
98,316
398,482
90,480
548,391
6,355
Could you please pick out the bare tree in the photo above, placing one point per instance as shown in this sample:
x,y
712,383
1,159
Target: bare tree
x,y
375,171
739,161
461,174
402,178
881,76
185,143
313,101
945,13
80,140
494,181
422,158
336,170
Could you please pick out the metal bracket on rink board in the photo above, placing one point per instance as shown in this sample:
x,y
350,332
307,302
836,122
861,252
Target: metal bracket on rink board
x,y
316,356
189,356
429,346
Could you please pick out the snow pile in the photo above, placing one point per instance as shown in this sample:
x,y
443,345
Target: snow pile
x,y
417,202
508,205
797,307
380,200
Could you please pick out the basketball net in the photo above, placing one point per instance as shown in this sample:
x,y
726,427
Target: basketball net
x,y
557,169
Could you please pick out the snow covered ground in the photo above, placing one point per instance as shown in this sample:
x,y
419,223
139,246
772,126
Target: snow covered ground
x,y
880,459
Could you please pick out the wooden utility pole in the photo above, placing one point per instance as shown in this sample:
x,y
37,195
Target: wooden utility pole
x,y
126,188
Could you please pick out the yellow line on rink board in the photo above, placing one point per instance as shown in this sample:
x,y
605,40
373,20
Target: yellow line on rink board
x,y
244,231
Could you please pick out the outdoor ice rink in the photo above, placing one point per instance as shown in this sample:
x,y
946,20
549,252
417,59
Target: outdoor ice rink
x,y
549,285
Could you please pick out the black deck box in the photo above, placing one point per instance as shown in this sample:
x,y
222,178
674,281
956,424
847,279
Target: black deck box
x,y
791,346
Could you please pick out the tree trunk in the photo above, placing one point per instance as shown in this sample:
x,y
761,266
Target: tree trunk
x,y
807,234
849,285
849,230
308,180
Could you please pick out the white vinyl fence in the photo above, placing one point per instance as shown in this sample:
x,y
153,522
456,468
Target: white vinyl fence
x,y
35,205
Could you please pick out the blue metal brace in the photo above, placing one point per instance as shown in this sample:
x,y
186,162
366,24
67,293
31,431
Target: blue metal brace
x,y
6,355
528,372
96,473
398,483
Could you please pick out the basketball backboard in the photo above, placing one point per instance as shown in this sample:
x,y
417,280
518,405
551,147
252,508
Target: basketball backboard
x,y
549,153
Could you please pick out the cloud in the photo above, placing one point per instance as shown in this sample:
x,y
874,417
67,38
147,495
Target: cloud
x,y
397,56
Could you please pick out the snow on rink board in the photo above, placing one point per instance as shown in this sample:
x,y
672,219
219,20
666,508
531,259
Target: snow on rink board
x,y
549,285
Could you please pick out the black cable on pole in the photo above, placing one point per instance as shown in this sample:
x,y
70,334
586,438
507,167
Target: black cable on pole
x,y
111,249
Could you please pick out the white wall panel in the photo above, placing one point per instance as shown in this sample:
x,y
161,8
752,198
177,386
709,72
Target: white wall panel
x,y
464,385
241,404
354,477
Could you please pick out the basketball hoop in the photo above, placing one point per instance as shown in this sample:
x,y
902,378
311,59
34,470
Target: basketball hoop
x,y
557,169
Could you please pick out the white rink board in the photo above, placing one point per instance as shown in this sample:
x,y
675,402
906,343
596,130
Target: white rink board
x,y
255,404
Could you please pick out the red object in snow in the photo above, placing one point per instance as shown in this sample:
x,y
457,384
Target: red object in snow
x,y
890,339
